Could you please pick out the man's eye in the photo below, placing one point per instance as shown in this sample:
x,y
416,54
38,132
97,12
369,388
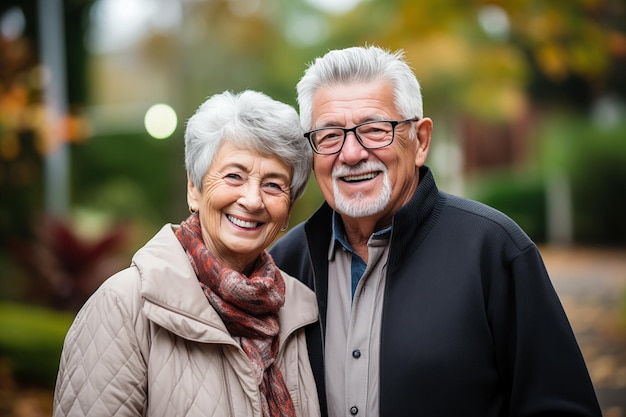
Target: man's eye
x,y
372,129
329,135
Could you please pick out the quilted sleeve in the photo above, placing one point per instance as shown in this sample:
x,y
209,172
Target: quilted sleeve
x,y
102,370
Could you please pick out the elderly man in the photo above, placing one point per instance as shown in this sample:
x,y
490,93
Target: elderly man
x,y
430,304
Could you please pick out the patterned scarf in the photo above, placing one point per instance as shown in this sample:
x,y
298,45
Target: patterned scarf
x,y
249,308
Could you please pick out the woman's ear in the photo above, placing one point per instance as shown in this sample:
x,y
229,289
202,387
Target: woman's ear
x,y
193,195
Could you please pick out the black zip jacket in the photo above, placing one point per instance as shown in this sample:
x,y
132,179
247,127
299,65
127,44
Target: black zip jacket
x,y
471,323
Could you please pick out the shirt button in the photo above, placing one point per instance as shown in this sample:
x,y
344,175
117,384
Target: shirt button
x,y
356,354
354,410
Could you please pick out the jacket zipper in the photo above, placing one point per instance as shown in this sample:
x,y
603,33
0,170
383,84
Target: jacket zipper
x,y
231,408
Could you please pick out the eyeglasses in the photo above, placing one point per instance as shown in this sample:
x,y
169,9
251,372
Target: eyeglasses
x,y
371,135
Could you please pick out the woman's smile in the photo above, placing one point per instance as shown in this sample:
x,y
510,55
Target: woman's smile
x,y
244,224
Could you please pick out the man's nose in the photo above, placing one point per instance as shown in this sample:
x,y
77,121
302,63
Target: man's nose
x,y
352,151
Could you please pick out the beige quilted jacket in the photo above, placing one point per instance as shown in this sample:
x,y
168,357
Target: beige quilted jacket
x,y
147,343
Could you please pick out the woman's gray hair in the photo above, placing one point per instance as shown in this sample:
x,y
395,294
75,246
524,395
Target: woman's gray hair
x,y
357,65
248,120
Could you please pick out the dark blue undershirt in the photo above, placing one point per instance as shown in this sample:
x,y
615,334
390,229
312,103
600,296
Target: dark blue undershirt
x,y
357,265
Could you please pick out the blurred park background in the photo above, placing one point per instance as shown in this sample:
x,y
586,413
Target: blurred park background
x,y
528,99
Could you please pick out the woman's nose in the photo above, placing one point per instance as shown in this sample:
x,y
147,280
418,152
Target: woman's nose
x,y
251,197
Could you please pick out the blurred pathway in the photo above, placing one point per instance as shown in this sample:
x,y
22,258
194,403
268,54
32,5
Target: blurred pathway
x,y
592,286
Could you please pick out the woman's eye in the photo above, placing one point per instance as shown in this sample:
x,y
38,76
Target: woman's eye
x,y
273,187
234,180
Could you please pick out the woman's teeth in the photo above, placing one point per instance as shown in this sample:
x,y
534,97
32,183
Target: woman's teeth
x,y
242,223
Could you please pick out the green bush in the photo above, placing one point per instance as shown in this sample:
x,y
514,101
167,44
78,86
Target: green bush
x,y
594,158
521,197
31,340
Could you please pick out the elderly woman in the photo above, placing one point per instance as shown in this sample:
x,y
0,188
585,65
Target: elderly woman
x,y
203,323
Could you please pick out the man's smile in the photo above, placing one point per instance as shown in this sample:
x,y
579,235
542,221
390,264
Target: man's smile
x,y
360,177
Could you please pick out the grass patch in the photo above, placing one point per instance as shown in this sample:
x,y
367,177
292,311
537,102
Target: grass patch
x,y
31,341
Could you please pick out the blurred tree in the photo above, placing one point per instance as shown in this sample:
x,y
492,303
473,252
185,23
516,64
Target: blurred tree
x,y
23,132
20,115
493,71
481,57
22,129
489,70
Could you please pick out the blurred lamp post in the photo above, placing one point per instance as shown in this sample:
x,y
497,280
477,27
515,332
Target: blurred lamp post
x,y
559,209
52,47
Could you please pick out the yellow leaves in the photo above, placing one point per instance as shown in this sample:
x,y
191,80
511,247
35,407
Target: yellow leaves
x,y
443,55
436,55
617,44
495,101
502,62
584,54
465,70
488,82
9,146
241,25
496,88
17,115
565,40
12,101
65,129
552,60
542,25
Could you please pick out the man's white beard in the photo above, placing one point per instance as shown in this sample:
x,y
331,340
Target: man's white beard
x,y
357,205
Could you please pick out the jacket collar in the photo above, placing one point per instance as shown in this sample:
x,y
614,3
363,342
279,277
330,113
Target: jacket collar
x,y
175,300
410,226
414,219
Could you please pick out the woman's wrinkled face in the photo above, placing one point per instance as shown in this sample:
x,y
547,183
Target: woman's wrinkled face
x,y
244,202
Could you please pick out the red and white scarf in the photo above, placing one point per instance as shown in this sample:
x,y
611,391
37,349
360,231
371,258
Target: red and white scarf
x,y
249,308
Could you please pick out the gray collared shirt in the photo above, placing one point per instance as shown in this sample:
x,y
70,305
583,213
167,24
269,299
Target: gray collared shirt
x,y
352,343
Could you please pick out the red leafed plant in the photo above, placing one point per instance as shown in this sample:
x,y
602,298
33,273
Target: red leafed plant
x,y
63,268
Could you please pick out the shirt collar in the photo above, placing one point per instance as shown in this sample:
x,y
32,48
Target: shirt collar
x,y
339,236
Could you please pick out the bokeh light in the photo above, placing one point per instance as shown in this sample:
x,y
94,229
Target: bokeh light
x,y
160,121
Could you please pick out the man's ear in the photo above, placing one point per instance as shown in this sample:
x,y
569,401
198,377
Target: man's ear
x,y
424,134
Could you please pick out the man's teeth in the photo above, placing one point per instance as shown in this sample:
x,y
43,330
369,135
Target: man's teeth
x,y
242,223
362,177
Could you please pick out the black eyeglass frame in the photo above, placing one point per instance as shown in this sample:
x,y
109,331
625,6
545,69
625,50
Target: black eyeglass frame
x,y
353,129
